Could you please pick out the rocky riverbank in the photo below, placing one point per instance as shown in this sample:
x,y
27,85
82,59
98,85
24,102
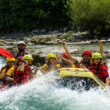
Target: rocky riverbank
x,y
49,39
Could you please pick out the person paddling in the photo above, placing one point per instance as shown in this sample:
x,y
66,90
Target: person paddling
x,y
24,72
16,77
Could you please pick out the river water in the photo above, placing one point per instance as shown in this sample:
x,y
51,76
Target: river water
x,y
44,94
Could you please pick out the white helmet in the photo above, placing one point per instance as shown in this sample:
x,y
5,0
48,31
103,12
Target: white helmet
x,y
22,42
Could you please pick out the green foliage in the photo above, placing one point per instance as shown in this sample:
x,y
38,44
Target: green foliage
x,y
26,15
91,15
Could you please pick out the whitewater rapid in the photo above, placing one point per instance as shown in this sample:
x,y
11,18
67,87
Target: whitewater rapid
x,y
43,93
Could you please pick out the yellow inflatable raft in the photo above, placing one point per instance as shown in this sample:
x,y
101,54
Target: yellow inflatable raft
x,y
78,77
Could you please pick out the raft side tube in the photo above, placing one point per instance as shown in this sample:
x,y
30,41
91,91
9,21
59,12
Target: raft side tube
x,y
79,73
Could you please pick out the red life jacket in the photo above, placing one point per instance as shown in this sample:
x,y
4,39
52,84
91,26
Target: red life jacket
x,y
22,77
16,77
99,70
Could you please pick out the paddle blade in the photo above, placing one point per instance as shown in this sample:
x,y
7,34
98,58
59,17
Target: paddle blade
x,y
5,53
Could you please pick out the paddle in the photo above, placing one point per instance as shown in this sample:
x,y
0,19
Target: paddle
x,y
5,53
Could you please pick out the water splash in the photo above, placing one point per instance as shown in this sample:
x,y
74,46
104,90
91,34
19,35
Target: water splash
x,y
2,61
44,94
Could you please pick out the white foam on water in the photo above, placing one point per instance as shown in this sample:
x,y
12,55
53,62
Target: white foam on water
x,y
2,61
43,94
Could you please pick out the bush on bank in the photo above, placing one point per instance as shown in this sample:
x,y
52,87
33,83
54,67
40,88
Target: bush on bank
x,y
91,15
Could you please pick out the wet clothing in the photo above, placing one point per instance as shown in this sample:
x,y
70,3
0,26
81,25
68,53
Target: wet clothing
x,y
15,76
99,70
6,72
10,72
22,77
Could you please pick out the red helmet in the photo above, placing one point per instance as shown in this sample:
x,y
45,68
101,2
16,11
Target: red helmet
x,y
65,55
87,52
